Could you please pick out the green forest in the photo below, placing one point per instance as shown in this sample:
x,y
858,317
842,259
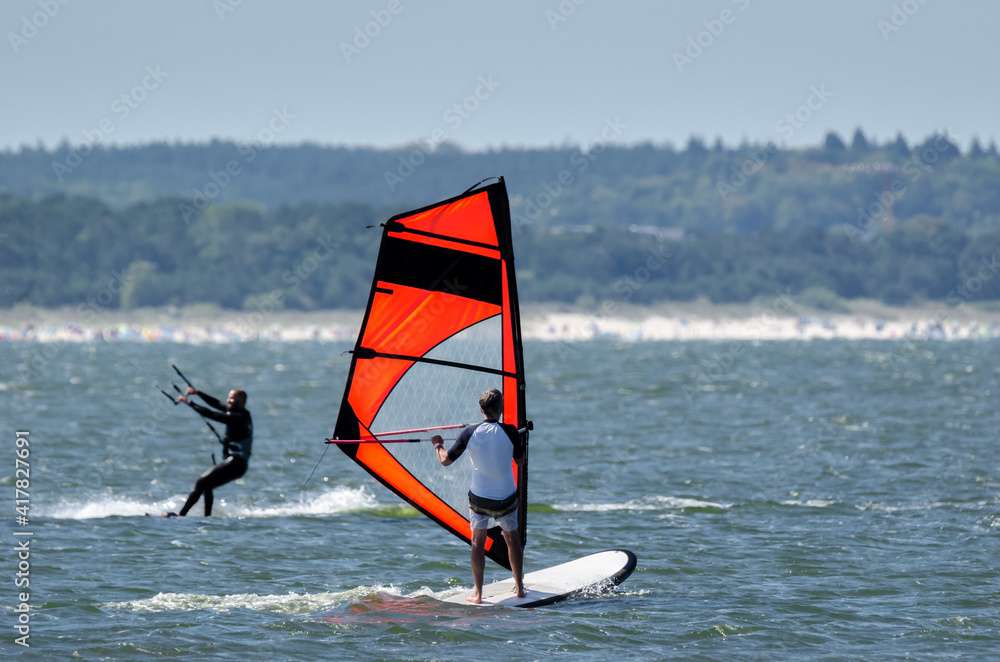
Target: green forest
x,y
286,227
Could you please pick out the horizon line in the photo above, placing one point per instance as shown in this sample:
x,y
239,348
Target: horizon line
x,y
451,145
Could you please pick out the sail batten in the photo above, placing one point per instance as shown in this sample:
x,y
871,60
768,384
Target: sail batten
x,y
441,326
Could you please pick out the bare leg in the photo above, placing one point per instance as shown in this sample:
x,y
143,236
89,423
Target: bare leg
x,y
516,555
478,563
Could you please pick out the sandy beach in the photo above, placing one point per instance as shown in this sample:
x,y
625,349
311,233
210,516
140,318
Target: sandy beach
x,y
780,319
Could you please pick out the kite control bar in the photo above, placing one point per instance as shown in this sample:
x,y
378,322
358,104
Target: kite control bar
x,y
181,374
178,389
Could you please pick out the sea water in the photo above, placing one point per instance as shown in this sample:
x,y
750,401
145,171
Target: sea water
x,y
785,499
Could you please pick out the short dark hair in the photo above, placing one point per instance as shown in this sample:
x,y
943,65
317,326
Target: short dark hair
x,y
241,396
491,402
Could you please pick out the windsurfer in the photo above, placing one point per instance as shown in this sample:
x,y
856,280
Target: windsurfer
x,y
491,445
236,444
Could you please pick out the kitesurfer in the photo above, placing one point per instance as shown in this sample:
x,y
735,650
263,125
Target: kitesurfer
x,y
236,444
491,445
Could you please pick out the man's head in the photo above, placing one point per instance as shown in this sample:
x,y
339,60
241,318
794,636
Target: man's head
x,y
491,402
237,399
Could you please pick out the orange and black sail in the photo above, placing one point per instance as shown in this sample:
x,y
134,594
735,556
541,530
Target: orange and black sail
x,y
441,326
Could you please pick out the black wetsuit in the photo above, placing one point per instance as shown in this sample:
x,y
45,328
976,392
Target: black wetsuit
x,y
236,445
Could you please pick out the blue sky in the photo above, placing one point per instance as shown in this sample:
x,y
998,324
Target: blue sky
x,y
390,72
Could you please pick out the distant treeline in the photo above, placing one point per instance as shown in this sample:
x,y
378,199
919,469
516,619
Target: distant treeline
x,y
73,250
702,187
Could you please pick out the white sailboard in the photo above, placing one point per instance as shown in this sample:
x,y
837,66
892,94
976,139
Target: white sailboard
x,y
593,573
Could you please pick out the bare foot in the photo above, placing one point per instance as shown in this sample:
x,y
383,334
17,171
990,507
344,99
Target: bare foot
x,y
475,599
519,590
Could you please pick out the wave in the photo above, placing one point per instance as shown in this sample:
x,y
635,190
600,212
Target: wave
x,y
877,506
647,503
691,505
809,503
107,507
287,603
991,522
336,501
360,604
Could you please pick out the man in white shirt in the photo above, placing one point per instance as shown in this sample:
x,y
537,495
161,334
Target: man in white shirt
x,y
491,445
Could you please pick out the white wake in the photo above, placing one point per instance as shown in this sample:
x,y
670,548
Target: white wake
x,y
332,502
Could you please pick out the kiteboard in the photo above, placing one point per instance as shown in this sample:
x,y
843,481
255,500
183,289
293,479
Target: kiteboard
x,y
592,573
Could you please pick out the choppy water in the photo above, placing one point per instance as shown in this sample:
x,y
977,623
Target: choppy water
x,y
785,499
